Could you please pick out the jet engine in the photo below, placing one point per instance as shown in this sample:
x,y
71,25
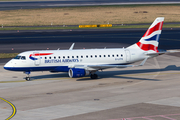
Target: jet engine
x,y
77,72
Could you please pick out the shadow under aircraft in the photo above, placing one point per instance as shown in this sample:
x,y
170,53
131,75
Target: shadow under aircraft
x,y
115,74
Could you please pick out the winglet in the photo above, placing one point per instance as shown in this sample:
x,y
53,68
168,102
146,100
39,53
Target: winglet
x,y
72,46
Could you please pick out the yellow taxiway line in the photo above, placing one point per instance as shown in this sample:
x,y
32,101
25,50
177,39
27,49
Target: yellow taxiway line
x,y
13,108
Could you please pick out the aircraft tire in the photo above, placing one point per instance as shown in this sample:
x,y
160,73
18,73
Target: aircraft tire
x,y
28,79
94,76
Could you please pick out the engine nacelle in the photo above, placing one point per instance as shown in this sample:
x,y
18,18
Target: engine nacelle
x,y
77,72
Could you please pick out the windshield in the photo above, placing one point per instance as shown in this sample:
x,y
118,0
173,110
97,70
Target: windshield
x,y
20,57
17,57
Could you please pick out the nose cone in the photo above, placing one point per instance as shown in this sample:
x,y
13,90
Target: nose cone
x,y
8,66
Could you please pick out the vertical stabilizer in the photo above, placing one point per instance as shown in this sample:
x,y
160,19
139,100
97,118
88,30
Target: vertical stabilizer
x,y
150,40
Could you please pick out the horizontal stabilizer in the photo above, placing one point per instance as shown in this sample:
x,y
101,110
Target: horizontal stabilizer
x,y
164,52
155,54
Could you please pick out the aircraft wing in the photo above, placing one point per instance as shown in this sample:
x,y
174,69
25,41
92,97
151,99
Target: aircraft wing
x,y
104,66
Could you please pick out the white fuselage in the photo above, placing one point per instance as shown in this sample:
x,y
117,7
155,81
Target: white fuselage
x,y
68,58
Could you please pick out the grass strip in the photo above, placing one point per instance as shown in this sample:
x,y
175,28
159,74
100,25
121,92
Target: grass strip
x,y
59,28
38,28
8,55
89,15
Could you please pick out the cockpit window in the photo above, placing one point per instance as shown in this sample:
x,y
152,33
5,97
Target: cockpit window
x,y
20,57
23,58
17,57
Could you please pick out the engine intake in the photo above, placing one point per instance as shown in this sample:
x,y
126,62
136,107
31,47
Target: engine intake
x,y
77,72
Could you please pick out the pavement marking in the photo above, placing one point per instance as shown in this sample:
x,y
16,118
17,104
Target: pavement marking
x,y
12,81
13,108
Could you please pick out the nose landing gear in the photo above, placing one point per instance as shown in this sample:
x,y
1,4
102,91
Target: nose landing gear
x,y
28,77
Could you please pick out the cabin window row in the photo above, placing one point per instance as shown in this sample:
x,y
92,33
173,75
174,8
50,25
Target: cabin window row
x,y
86,56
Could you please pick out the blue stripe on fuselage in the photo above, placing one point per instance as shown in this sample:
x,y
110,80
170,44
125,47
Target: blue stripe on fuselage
x,y
33,58
51,68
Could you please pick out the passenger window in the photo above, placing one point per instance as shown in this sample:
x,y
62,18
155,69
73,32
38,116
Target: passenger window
x,y
59,57
121,55
95,55
23,58
49,57
45,57
99,55
68,57
112,55
91,56
54,57
108,55
76,56
86,56
104,55
81,56
117,55
63,56
72,56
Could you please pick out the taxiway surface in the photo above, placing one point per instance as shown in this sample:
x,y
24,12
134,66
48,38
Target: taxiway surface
x,y
141,93
110,38
9,5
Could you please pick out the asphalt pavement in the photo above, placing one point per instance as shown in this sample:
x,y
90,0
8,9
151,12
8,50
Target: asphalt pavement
x,y
149,92
65,3
99,38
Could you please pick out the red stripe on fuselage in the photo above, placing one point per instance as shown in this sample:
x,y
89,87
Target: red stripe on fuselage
x,y
153,29
147,47
40,54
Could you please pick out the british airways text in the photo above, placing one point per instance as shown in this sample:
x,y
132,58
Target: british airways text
x,y
61,61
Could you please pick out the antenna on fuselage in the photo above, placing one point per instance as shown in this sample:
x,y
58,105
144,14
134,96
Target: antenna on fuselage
x,y
72,46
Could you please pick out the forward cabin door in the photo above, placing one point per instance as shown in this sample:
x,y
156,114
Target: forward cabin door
x,y
38,61
128,56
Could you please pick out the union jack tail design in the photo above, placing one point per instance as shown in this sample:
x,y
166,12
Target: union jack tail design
x,y
150,39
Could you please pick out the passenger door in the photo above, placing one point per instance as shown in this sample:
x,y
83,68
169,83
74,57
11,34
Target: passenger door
x,y
128,56
38,61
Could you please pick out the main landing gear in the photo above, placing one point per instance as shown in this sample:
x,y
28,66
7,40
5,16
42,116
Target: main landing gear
x,y
94,76
28,77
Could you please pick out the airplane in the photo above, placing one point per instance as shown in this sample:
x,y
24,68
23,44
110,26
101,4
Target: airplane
x,y
82,62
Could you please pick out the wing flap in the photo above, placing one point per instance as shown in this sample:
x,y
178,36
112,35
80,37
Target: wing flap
x,y
118,66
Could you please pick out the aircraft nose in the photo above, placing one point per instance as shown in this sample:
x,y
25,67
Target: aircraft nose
x,y
8,66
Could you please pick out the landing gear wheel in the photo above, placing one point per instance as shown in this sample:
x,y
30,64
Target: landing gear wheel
x,y
94,76
28,73
28,78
